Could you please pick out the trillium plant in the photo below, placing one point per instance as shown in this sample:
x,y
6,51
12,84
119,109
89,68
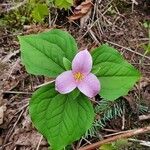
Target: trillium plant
x,y
79,77
62,111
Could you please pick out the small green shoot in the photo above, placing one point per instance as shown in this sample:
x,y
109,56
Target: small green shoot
x,y
147,45
117,145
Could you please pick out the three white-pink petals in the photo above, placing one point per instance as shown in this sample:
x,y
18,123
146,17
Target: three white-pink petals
x,y
79,77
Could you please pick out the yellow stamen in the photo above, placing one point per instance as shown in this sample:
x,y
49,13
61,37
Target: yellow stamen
x,y
78,76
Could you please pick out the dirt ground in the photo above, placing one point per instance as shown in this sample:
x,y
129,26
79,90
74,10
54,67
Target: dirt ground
x,y
118,23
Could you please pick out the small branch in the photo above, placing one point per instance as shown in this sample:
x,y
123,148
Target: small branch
x,y
38,146
46,83
141,142
127,134
144,117
134,2
114,134
7,58
12,129
128,49
17,92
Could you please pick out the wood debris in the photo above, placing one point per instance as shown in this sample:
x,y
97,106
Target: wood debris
x,y
2,109
126,134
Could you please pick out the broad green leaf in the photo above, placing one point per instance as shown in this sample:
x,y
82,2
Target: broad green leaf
x,y
116,75
67,64
39,12
63,3
62,119
43,54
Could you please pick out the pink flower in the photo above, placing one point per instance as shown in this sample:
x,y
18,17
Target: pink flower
x,y
79,77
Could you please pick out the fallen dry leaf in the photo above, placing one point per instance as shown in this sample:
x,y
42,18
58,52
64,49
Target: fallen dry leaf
x,y
31,139
81,10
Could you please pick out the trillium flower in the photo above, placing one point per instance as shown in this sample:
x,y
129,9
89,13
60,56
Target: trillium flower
x,y
79,77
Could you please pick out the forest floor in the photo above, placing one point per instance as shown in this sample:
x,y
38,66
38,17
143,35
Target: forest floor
x,y
118,23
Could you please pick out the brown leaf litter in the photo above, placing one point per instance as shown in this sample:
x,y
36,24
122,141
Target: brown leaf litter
x,y
122,28
81,10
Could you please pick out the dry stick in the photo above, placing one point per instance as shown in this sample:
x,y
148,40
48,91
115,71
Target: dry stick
x,y
128,134
17,92
110,130
137,53
46,83
6,59
114,134
38,146
3,146
123,119
26,105
141,142
10,133
144,117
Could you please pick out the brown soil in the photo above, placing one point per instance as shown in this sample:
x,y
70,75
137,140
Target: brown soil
x,y
119,26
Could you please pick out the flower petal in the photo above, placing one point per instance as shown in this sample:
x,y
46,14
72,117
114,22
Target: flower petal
x,y
90,86
65,82
82,62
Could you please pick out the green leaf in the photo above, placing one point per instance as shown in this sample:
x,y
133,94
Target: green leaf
x,y
63,3
62,119
39,12
146,24
67,64
43,54
116,75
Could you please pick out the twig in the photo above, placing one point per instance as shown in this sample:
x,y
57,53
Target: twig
x,y
26,105
17,92
144,64
79,143
86,140
127,134
123,119
5,145
72,146
44,84
93,36
110,130
134,2
140,39
7,58
144,117
137,53
89,28
38,146
10,133
145,143
49,16
114,134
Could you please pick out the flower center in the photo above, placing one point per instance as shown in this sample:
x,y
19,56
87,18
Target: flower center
x,y
78,76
